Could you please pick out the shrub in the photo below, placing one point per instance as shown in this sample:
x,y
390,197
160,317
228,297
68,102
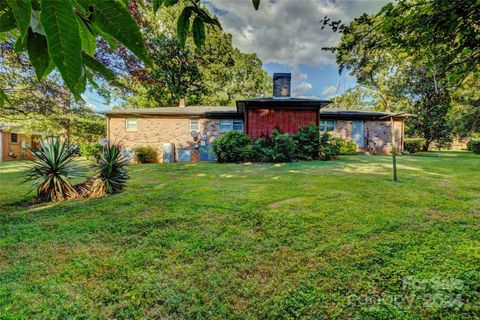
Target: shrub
x,y
233,146
329,147
90,150
282,146
111,173
347,147
53,167
474,136
469,144
262,150
474,145
145,154
414,145
307,143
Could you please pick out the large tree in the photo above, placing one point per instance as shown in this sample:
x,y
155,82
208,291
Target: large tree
x,y
441,35
61,34
413,56
45,105
215,74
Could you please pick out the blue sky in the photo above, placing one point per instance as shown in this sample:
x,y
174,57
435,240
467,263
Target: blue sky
x,y
287,36
321,82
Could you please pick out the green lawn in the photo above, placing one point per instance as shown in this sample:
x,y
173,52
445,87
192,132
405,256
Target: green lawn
x,y
305,240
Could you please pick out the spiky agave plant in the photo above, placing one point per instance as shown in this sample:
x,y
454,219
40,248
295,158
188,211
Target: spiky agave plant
x,y
53,167
111,176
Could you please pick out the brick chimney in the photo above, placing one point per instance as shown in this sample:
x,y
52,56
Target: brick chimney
x,y
181,103
281,85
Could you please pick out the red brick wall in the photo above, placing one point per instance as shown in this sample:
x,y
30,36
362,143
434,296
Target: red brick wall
x,y
263,121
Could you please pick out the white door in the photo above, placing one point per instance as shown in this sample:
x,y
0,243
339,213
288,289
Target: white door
x,y
358,133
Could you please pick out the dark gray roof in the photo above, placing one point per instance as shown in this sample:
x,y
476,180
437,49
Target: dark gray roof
x,y
191,111
358,114
231,111
278,99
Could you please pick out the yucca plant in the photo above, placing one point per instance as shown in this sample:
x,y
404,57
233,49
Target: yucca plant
x,y
111,176
53,167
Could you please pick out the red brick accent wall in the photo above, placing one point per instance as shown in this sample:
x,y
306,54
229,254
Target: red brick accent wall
x,y
263,121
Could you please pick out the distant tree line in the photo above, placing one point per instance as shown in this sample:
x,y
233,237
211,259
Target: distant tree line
x,y
415,56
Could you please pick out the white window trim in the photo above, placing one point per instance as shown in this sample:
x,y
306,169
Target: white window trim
x,y
230,123
225,122
325,125
197,125
129,129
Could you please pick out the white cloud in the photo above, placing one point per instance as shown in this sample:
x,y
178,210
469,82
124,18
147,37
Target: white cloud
x,y
288,31
329,91
299,83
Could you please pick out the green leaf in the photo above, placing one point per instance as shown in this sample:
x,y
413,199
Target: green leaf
x,y
89,41
20,44
22,10
3,37
113,19
63,37
198,29
3,5
82,6
183,25
7,21
91,80
206,18
3,98
256,4
156,5
38,53
35,23
98,67
80,86
169,3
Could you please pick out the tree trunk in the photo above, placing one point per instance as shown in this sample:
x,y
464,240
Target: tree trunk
x,y
427,145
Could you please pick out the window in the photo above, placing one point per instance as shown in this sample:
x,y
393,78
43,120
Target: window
x,y
14,138
131,124
327,125
194,125
231,124
238,125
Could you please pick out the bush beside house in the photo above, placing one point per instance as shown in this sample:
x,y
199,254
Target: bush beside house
x,y
233,146
414,145
307,143
145,154
329,147
347,147
279,147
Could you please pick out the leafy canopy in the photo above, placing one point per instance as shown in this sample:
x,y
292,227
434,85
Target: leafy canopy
x,y
215,74
61,34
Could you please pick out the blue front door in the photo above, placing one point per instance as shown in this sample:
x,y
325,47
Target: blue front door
x,y
206,153
358,133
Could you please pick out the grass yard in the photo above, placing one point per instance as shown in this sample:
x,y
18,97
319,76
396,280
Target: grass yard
x,y
307,240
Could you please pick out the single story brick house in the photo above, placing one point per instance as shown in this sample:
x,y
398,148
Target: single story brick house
x,y
14,145
186,134
189,131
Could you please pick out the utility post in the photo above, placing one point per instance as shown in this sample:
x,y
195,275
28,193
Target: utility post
x,y
394,150
394,143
